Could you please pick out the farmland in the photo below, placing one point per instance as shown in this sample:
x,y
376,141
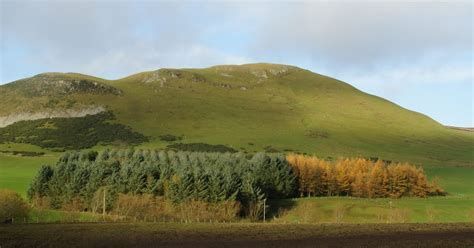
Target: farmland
x,y
237,235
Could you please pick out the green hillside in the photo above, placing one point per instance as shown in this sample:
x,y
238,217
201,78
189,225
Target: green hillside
x,y
249,107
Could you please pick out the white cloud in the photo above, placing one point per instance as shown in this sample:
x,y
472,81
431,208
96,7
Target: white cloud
x,y
364,34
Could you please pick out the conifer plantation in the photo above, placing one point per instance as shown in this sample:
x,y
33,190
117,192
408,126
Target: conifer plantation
x,y
211,186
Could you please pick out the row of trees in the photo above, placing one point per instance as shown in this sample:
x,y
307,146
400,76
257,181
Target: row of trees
x,y
129,180
86,178
360,177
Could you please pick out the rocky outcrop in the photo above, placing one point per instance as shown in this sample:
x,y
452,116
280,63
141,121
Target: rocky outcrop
x,y
60,84
23,116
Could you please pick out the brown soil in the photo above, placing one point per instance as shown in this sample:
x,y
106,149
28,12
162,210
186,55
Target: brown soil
x,y
236,235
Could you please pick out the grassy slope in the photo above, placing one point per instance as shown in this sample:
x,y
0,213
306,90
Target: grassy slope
x,y
295,110
287,112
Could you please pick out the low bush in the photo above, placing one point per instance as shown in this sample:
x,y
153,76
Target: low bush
x,y
12,206
149,207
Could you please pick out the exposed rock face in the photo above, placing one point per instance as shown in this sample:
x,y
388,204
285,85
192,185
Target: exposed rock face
x,y
261,71
48,84
23,116
155,76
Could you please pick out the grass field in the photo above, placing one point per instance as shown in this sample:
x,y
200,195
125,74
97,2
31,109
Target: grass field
x,y
458,206
236,235
17,172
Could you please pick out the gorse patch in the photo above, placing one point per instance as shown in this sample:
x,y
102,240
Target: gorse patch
x,y
70,133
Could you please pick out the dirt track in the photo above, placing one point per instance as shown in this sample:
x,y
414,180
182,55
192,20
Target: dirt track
x,y
236,235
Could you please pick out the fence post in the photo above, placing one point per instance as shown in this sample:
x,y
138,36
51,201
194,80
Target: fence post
x,y
103,203
264,208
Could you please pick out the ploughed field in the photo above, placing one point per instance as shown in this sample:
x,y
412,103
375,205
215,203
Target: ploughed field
x,y
236,235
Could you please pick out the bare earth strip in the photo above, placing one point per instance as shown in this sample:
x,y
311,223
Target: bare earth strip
x,y
236,235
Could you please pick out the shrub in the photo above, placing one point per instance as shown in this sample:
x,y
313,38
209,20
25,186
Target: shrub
x,y
138,206
12,206
149,207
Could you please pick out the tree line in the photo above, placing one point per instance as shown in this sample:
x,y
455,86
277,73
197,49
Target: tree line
x,y
360,177
83,177
125,181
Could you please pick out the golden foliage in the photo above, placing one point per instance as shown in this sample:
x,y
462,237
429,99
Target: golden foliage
x,y
360,177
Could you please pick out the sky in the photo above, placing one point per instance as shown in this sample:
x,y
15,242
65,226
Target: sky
x,y
416,54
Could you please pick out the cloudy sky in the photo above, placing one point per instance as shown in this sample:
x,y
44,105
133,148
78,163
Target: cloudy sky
x,y
416,54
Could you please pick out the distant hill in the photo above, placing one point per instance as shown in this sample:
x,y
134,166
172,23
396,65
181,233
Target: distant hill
x,y
468,129
250,107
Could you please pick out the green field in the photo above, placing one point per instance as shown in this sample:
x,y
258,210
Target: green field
x,y
17,172
458,206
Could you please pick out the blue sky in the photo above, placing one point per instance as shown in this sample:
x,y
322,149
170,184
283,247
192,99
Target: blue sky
x,y
416,54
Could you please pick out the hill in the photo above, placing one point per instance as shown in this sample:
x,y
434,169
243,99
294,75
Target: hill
x,y
249,107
